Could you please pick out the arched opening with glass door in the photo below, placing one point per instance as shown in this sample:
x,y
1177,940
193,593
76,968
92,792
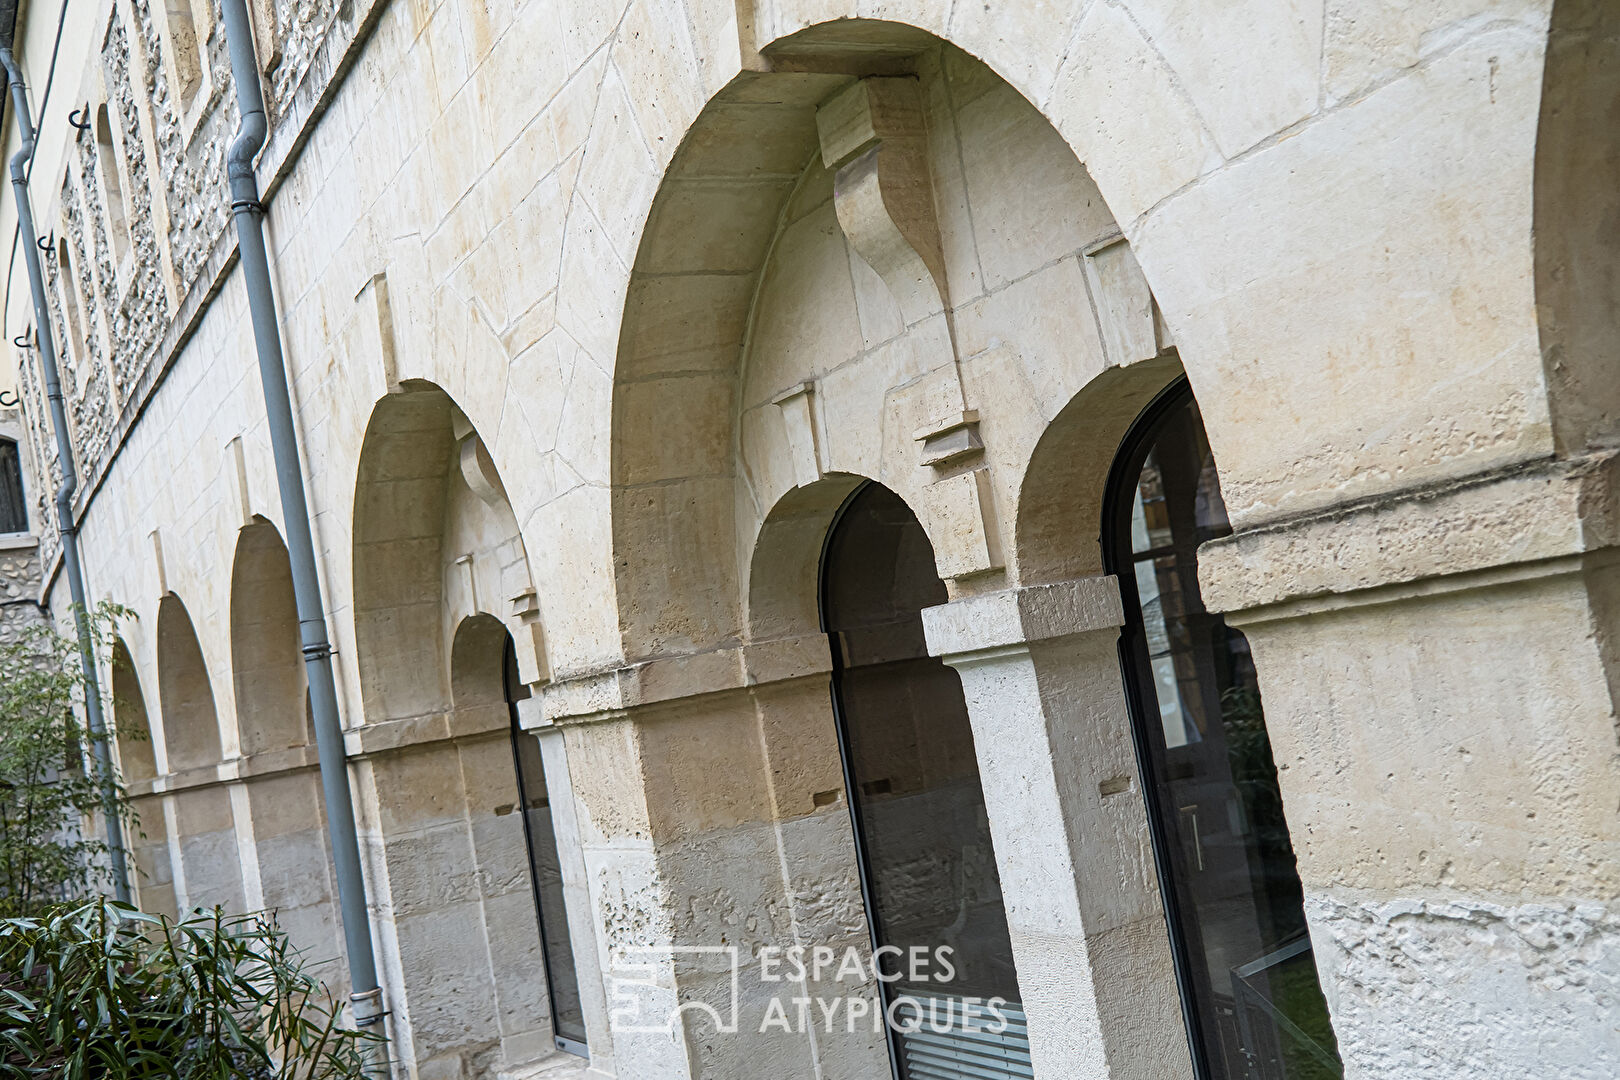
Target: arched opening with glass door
x,y
1250,993
928,869
545,867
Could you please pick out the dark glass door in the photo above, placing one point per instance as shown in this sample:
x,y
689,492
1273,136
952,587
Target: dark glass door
x,y
1249,986
928,868
545,870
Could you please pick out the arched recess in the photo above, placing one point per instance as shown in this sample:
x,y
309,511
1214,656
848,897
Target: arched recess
x,y
778,346
1060,505
200,817
928,864
267,668
149,839
134,730
441,587
1577,223
768,341
190,723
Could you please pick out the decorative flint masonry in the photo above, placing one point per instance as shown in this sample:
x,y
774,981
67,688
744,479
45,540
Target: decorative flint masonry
x,y
67,527
246,208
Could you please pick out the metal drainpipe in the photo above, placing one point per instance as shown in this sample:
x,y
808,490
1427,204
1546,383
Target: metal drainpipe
x,y
65,523
248,211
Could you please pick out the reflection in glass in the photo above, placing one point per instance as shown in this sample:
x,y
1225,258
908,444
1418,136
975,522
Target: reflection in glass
x,y
928,868
545,870
1254,1003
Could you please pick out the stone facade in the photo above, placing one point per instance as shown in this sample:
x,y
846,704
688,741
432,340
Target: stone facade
x,y
596,313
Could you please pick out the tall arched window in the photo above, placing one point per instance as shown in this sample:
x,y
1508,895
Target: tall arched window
x,y
13,511
928,869
1249,987
545,870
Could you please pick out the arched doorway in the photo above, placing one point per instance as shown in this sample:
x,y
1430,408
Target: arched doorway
x,y
928,870
1250,992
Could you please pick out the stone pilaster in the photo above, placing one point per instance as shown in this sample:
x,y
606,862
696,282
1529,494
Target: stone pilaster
x,y
1439,671
1040,671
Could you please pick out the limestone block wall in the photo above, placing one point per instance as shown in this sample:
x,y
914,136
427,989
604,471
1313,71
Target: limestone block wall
x,y
637,250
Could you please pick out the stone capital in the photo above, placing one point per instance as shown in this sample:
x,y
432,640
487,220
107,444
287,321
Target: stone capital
x,y
976,627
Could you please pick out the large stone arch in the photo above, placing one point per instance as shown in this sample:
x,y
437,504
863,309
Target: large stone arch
x,y
191,733
1577,223
148,838
200,815
759,350
1060,503
441,583
267,669
130,721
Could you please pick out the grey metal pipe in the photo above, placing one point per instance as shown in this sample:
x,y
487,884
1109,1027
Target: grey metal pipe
x,y
65,524
254,261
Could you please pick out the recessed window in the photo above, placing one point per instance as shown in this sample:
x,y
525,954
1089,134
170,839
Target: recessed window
x,y
1232,895
184,47
74,328
112,183
13,511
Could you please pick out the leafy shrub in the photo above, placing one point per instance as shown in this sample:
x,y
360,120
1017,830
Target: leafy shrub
x,y
100,991
51,788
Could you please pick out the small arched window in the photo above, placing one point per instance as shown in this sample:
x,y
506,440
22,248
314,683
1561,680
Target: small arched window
x,y
1234,904
112,182
13,511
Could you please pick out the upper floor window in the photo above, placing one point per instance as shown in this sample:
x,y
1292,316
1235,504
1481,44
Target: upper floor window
x,y
13,511
112,183
70,297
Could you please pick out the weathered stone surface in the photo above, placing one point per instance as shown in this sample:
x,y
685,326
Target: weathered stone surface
x,y
635,355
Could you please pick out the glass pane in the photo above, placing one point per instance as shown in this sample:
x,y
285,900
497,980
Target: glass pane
x,y
562,981
930,870
1246,957
13,512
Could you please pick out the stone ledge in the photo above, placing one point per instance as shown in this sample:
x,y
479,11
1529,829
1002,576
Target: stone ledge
x,y
405,732
251,767
1016,616
605,694
1532,513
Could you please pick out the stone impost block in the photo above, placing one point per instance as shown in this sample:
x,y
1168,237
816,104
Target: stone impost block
x,y
983,624
964,508
798,409
1126,313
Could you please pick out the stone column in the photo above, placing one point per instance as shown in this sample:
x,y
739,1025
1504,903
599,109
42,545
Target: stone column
x,y
1439,671
1041,674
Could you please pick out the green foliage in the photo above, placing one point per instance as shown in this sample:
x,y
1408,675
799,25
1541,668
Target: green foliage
x,y
51,787
100,991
